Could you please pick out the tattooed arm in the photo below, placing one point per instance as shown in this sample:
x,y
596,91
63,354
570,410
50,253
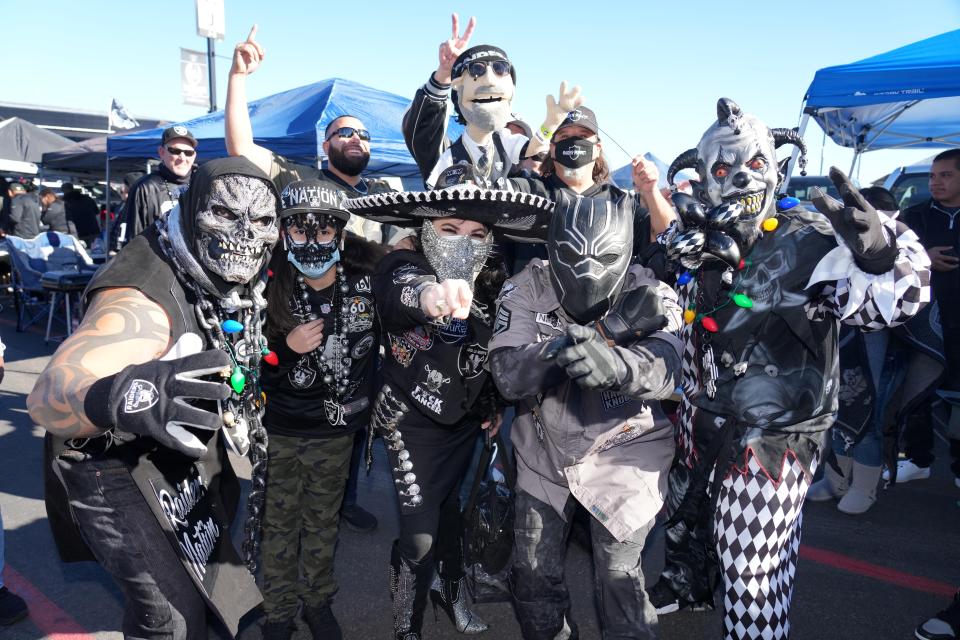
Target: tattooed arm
x,y
121,327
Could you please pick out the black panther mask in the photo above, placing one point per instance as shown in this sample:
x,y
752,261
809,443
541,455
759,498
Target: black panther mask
x,y
589,243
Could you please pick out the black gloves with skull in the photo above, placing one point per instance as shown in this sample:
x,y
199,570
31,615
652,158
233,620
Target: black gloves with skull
x,y
858,225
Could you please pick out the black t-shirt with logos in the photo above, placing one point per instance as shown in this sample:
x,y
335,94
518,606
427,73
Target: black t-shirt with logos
x,y
299,402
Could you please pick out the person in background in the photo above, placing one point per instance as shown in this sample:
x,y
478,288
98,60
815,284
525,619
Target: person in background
x,y
153,195
54,215
935,221
83,212
24,212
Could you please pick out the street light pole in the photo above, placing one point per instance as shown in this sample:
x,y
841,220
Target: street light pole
x,y
212,74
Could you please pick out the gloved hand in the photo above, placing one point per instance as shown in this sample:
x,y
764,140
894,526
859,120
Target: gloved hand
x,y
590,362
858,224
635,315
149,399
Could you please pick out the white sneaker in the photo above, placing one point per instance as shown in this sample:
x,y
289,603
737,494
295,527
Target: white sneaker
x,y
907,471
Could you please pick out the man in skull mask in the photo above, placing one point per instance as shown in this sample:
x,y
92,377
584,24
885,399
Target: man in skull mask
x,y
766,286
138,407
483,82
582,345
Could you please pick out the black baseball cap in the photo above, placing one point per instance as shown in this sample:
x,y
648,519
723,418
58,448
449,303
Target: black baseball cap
x,y
313,196
581,117
178,131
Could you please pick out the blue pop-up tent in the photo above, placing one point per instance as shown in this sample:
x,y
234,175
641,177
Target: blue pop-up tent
x,y
292,123
904,98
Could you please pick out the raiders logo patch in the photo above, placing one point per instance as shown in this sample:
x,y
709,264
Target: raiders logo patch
x,y
502,323
302,376
360,314
362,347
471,360
140,396
454,331
401,350
363,285
508,288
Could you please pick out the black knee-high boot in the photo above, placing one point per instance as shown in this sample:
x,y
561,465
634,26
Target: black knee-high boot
x,y
409,583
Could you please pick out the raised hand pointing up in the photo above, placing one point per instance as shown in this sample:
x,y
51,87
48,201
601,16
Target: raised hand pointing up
x,y
248,55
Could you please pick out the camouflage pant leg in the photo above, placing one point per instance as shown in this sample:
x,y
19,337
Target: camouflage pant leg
x,y
281,529
326,466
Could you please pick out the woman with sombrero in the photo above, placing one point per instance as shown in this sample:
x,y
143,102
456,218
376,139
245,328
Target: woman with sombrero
x,y
436,304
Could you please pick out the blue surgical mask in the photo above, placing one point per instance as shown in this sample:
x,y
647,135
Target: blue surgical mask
x,y
315,270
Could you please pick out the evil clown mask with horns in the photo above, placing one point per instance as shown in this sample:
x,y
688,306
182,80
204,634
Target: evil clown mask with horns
x,y
739,175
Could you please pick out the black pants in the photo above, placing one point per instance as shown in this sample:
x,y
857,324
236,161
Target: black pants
x,y
918,437
122,532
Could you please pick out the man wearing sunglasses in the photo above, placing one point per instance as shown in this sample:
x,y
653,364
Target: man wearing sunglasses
x,y
346,143
481,82
155,194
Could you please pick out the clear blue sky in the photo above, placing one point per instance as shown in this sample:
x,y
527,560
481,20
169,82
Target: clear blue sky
x,y
651,70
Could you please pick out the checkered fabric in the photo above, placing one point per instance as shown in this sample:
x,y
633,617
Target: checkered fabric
x,y
689,381
757,527
880,301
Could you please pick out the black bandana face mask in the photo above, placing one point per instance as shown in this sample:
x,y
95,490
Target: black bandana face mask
x,y
590,243
574,153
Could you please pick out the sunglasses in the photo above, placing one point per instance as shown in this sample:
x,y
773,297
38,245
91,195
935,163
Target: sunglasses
x,y
176,152
347,132
479,68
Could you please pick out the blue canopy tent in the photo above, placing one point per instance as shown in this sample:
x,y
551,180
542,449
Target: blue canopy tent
x,y
904,98
292,123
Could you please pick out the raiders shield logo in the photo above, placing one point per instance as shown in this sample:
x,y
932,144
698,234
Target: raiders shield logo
x,y
140,396
471,360
302,376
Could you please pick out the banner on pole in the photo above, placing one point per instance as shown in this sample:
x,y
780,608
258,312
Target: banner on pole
x,y
193,78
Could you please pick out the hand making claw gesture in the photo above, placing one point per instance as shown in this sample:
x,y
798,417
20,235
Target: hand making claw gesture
x,y
247,55
857,223
452,48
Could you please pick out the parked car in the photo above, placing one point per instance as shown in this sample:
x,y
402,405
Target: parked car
x,y
800,187
910,185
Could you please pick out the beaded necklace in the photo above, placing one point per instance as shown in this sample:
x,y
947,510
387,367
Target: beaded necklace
x,y
334,374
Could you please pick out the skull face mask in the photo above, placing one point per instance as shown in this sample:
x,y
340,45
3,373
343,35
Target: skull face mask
x,y
454,257
235,227
305,251
589,243
737,163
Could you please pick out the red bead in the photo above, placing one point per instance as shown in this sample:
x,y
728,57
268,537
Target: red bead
x,y
269,273
743,263
271,358
710,324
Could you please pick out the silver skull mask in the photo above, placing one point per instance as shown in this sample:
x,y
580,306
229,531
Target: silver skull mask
x,y
236,227
455,257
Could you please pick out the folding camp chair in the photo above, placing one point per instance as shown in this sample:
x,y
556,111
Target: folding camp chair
x,y
50,253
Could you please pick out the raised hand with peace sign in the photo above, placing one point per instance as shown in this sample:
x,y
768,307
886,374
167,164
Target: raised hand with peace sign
x,y
450,49
858,224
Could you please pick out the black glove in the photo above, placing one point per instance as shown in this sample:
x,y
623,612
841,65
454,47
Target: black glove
x,y
590,362
149,399
858,224
635,315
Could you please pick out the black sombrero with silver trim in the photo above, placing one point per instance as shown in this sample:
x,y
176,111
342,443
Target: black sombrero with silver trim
x,y
511,215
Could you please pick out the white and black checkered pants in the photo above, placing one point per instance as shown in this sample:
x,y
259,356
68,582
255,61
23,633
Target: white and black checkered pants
x,y
757,526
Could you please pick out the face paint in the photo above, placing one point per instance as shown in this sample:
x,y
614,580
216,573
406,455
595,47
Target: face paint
x,y
455,257
236,227
574,153
589,244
